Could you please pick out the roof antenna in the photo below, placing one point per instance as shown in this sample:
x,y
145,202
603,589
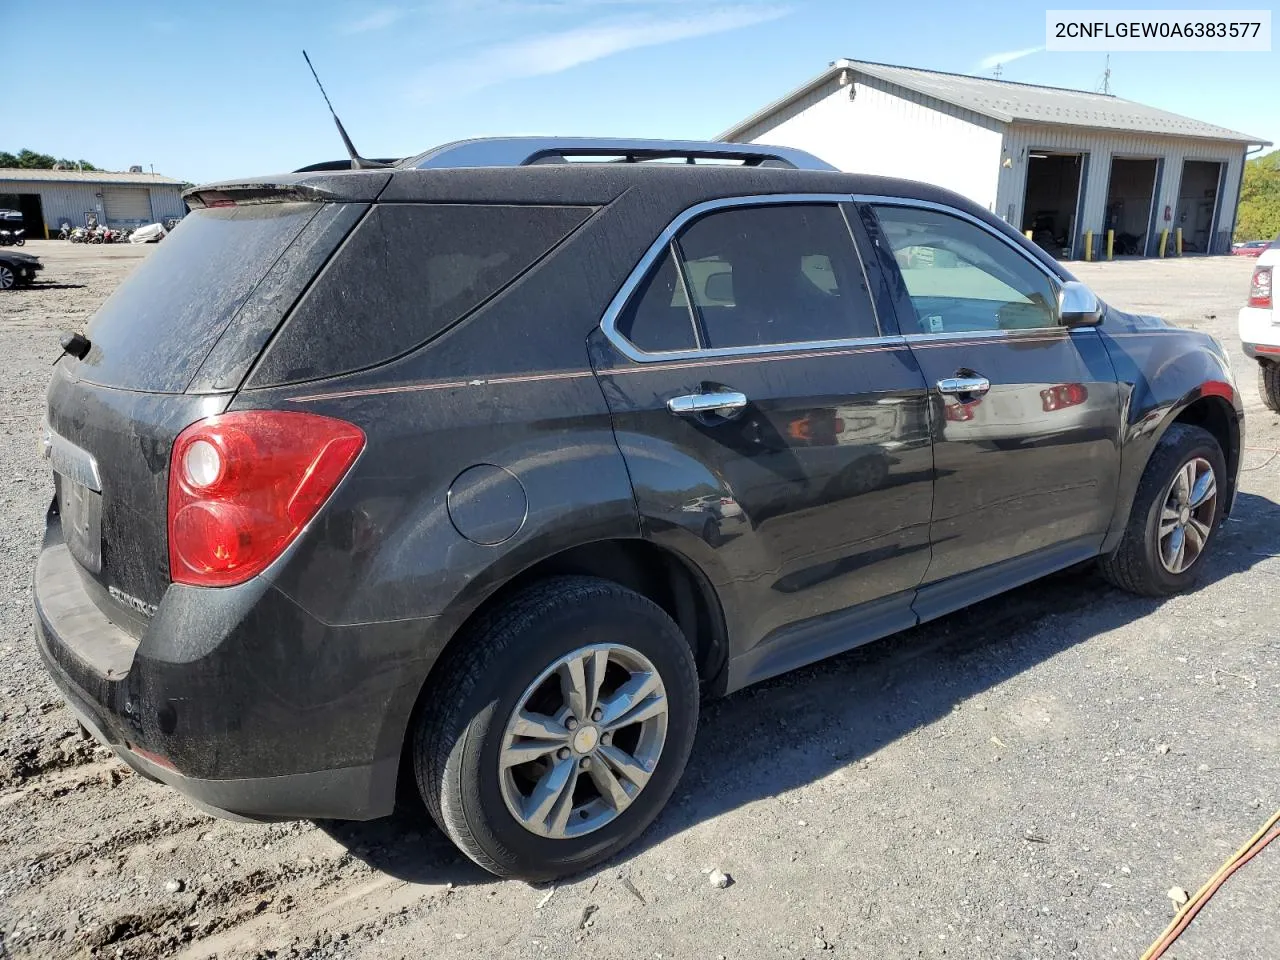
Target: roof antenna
x,y
1105,86
998,71
357,162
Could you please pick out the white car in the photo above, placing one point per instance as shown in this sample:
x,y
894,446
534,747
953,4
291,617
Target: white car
x,y
1260,325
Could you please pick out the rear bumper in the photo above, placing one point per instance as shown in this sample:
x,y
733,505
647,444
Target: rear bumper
x,y
351,793
1259,329
236,696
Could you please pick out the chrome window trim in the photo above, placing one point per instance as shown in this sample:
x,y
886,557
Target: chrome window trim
x,y
1055,281
609,322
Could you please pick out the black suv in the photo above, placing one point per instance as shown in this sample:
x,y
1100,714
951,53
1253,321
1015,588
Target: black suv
x,y
478,471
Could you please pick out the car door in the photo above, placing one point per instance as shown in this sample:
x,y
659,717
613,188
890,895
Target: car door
x,y
1027,413
775,434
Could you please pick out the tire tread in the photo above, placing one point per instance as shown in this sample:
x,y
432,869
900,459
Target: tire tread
x,y
1127,567
1269,385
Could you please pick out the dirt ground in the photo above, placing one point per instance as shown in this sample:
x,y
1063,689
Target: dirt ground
x,y
1025,779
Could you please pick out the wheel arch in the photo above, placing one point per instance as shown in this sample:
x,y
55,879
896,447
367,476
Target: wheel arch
x,y
1214,413
670,580
1212,406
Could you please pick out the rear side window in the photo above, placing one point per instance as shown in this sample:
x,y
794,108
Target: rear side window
x,y
757,276
157,328
407,273
657,318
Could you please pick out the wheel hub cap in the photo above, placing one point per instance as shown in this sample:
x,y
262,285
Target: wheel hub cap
x,y
583,741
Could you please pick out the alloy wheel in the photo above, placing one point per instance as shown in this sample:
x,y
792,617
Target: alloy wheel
x,y
583,741
6,277
1186,518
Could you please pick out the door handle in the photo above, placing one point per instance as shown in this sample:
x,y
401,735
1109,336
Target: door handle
x,y
725,403
964,385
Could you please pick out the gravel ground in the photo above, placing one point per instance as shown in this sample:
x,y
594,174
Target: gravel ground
x,y
1025,779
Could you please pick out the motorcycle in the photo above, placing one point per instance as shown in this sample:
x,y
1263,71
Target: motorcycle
x,y
12,238
79,235
65,232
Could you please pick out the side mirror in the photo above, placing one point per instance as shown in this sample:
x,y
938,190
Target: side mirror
x,y
1078,306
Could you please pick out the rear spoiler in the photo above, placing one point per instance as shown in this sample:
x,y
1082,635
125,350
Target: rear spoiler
x,y
340,187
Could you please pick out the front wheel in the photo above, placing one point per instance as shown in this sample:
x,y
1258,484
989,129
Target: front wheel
x,y
1269,385
1175,515
559,728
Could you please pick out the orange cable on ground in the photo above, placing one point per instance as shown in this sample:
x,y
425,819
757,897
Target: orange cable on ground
x,y
1193,906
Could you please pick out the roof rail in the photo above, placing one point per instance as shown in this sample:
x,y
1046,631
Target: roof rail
x,y
526,151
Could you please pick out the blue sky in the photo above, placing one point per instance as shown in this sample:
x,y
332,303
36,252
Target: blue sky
x,y
228,92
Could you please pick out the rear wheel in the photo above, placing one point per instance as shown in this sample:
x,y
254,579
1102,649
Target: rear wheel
x,y
563,723
1175,515
1269,384
7,278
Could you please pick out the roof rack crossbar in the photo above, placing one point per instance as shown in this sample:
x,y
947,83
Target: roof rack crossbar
x,y
527,151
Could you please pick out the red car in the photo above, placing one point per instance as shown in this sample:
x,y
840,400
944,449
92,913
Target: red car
x,y
1252,248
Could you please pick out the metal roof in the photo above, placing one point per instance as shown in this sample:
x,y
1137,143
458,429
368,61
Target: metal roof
x,y
86,176
1014,102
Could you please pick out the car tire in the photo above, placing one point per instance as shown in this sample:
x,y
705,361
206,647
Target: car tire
x,y
8,279
1147,561
464,744
1269,385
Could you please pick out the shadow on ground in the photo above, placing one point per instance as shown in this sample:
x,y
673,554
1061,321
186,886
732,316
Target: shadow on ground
x,y
798,728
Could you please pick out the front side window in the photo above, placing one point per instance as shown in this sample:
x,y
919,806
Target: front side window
x,y
962,278
748,277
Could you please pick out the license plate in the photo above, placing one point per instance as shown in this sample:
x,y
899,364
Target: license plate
x,y
81,511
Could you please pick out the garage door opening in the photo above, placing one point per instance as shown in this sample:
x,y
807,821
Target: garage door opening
x,y
126,206
1130,193
1051,204
22,210
1198,204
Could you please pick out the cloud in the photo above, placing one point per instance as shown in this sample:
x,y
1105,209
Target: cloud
x,y
375,20
550,53
989,63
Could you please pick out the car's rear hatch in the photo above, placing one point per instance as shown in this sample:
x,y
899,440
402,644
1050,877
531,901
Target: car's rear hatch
x,y
171,346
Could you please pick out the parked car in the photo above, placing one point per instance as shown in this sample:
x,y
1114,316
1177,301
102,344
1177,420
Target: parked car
x,y
1260,325
18,269
1250,248
388,477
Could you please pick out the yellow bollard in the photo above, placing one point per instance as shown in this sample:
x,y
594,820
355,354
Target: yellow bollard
x,y
1088,244
1111,243
1164,241
1179,247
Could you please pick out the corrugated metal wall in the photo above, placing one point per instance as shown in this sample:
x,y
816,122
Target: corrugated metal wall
x,y
166,202
71,201
1020,139
887,130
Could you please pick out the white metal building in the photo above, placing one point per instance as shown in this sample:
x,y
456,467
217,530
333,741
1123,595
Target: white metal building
x,y
48,198
1054,161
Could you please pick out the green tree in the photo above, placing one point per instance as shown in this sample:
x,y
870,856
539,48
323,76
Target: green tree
x,y
1259,215
26,159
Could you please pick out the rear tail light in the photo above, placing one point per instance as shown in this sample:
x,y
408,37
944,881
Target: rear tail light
x,y
241,486
1260,287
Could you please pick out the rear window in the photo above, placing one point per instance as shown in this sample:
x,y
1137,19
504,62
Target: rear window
x,y
160,324
407,273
